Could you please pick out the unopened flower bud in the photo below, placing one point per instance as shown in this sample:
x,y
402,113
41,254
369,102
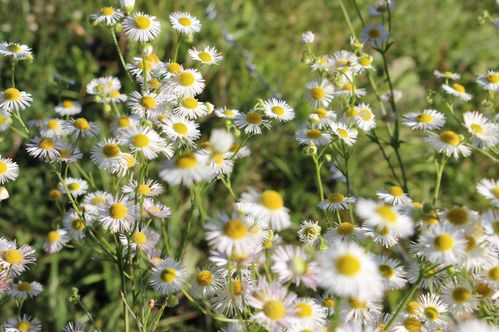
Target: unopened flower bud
x,y
209,107
313,119
127,5
147,50
151,304
4,194
308,37
118,27
189,38
328,157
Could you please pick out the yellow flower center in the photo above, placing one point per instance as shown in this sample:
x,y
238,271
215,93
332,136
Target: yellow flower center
x,y
458,87
186,79
68,104
493,273
53,124
374,33
81,124
154,83
314,133
3,167
205,56
254,118
124,122
107,11
23,326
476,128
365,61
12,256
318,93
412,307
424,118
328,303
356,303
174,67
142,22
443,242
180,128
278,110
366,115
274,309
348,265
168,275
204,278
412,324
387,213
470,242
139,238
74,186
114,94
14,48
12,94
347,86
237,287
484,289
386,271
143,189
431,313
298,266
46,144
185,21
190,103
345,229
493,78
457,215
342,133
218,158
78,224
396,191
148,65
118,211
449,137
140,140
304,310
2,119
321,113
336,198
229,113
461,294
111,150
53,237
54,194
98,200
148,102
24,287
272,200
235,229
186,161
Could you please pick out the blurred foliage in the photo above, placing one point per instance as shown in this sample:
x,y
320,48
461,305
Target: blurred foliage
x,y
260,40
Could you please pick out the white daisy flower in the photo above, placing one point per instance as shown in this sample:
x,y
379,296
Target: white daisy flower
x,y
77,327
392,273
365,62
102,86
75,187
115,96
233,295
346,270
435,275
461,218
428,119
142,239
53,127
147,141
156,209
15,50
15,259
292,263
343,231
235,233
219,163
147,188
273,305
278,109
74,224
252,122
432,310
145,104
344,133
307,135
343,62
23,323
475,325
485,134
9,170
185,169
68,107
221,140
268,206
309,311
309,232
181,130
5,120
107,155
394,195
14,100
381,7
359,311
117,214
365,118
44,147
307,37
457,90
23,290
56,240
227,113
184,22
374,35
141,27
336,202
81,127
459,297
448,75
490,275
124,122
320,92
168,276
191,108
489,81
325,117
207,56
107,15
448,143
186,83
92,201
328,302
207,281
490,222
320,63
441,244
347,88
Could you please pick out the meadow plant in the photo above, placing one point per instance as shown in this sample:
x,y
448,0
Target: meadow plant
x,y
389,262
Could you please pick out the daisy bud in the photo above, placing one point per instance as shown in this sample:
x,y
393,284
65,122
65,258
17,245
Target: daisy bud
x,y
308,37
118,27
148,123
306,58
28,58
54,194
189,38
210,107
151,304
4,194
127,5
237,132
313,118
355,43
328,157
147,50
107,108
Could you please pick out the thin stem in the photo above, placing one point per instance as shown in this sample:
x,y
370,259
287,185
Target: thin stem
x,y
205,312
122,60
318,176
440,170
347,18
357,9
408,296
13,75
177,46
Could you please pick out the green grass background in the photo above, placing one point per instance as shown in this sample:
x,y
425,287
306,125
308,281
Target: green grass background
x,y
428,34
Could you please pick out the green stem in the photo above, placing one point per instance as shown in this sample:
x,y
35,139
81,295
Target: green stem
x,y
118,49
177,46
347,18
318,176
358,12
440,170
